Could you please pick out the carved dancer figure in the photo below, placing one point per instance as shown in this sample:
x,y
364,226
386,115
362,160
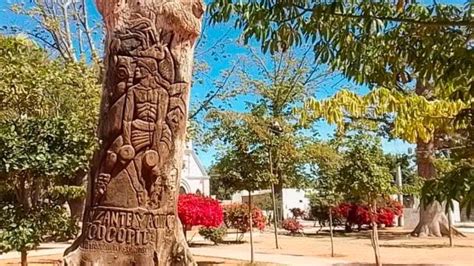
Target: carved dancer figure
x,y
131,212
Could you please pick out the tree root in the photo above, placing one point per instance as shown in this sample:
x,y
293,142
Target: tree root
x,y
433,222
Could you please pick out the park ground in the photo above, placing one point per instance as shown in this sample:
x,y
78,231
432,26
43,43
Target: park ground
x,y
397,247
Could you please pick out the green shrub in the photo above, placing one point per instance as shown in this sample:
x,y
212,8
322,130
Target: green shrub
x,y
215,235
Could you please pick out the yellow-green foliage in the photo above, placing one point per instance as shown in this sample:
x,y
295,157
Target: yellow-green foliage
x,y
413,117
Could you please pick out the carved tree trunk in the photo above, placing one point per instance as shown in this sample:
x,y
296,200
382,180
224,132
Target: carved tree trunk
x,y
131,209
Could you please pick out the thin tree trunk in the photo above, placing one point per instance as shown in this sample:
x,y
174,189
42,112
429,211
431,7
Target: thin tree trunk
x,y
275,213
24,258
185,233
451,243
131,209
331,232
251,228
275,222
375,234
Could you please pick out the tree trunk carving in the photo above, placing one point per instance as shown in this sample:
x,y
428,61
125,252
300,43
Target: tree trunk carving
x,y
131,211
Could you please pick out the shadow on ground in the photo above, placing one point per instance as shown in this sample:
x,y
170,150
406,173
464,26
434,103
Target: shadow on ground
x,y
363,234
210,263
34,262
404,245
386,264
201,244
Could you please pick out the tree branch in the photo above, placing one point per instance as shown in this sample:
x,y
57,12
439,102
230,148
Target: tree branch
x,y
206,102
388,18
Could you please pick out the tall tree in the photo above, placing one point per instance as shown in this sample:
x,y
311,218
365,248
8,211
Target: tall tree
x,y
64,27
275,85
242,167
409,48
46,137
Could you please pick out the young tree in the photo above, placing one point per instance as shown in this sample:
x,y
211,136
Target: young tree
x,y
46,136
242,167
364,176
326,164
277,84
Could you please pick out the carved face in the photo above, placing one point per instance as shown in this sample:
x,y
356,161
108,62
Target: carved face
x,y
145,68
141,72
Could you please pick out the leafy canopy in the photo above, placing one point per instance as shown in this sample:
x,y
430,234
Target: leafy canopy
x,y
379,44
47,135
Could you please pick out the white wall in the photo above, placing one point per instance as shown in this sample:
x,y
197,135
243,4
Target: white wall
x,y
194,176
294,198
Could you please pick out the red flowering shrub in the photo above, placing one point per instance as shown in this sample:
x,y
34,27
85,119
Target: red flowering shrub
x,y
292,225
359,214
386,214
198,210
236,216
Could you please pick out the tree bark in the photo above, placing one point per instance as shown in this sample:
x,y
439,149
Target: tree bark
x,y
375,234
279,200
130,215
433,221
331,232
251,228
24,258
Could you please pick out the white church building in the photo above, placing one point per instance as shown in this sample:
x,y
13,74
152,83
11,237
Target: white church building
x,y
194,178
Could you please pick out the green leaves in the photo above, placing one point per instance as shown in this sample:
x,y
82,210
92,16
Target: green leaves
x,y
43,147
48,114
25,228
455,182
410,117
365,174
378,45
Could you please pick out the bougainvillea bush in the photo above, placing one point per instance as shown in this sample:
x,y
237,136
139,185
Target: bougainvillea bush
x,y
359,214
292,225
194,210
236,216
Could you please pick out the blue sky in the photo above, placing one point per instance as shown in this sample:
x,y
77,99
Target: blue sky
x,y
220,61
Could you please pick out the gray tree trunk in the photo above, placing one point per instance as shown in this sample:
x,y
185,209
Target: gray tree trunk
x,y
433,221
130,215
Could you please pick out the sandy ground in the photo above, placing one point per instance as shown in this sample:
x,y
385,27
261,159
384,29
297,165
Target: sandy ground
x,y
397,248
54,260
